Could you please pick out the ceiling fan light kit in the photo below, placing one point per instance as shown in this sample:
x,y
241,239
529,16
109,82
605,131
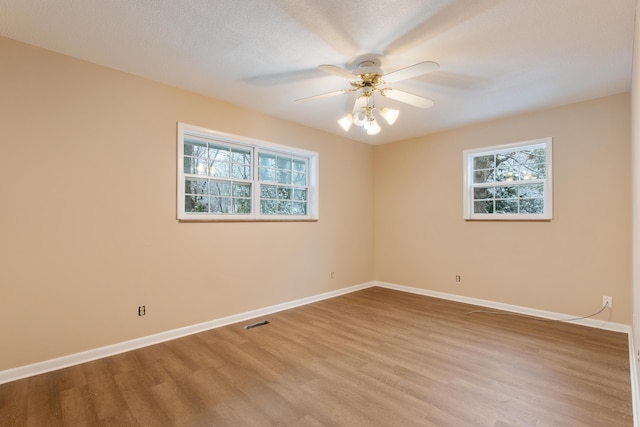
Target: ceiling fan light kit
x,y
362,115
370,79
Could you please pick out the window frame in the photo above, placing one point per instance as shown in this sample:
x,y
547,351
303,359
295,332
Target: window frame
x,y
256,147
467,159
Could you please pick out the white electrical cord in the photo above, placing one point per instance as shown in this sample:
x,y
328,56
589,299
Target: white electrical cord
x,y
509,313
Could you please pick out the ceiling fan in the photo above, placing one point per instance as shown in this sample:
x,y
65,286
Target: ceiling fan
x,y
367,79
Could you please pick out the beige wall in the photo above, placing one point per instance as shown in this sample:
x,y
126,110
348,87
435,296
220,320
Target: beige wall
x,y
88,213
565,265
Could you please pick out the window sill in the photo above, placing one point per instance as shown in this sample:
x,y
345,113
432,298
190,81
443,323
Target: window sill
x,y
511,219
247,220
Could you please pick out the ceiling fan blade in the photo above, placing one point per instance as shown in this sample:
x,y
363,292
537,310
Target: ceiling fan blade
x,y
411,71
324,95
337,71
407,98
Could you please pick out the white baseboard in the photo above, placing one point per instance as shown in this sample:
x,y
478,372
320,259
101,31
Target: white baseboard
x,y
110,350
599,324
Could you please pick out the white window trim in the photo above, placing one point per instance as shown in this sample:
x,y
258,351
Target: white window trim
x,y
467,166
256,146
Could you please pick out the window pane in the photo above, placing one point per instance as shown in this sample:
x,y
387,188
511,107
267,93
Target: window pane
x,y
285,208
196,203
267,160
506,192
534,206
483,193
299,166
200,167
299,194
521,165
483,207
299,208
242,206
284,193
195,149
534,190
241,190
268,207
502,158
218,153
484,162
195,186
513,160
219,169
519,157
299,179
507,172
537,163
267,174
284,163
220,205
506,206
220,188
241,156
284,177
485,175
268,191
241,172
190,165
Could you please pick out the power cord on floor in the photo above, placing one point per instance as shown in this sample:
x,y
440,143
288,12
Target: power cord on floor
x,y
509,313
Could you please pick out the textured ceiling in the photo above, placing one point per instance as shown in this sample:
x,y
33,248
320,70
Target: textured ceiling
x,y
497,57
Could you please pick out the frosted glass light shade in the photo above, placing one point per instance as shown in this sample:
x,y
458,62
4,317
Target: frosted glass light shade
x,y
360,104
345,122
389,114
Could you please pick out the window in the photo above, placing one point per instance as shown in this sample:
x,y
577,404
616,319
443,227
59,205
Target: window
x,y
227,177
509,182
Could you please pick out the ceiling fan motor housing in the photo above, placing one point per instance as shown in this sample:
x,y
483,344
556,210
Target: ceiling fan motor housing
x,y
367,64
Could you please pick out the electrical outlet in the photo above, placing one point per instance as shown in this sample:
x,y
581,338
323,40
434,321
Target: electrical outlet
x,y
142,310
607,301
333,274
458,280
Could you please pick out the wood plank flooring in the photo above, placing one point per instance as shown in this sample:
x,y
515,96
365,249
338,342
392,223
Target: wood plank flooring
x,y
376,357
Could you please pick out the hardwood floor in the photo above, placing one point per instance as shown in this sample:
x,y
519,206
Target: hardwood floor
x,y
376,357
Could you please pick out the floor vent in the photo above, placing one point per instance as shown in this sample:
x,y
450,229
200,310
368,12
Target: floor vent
x,y
254,325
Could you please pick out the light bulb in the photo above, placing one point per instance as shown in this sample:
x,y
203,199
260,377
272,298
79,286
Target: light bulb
x,y
200,168
360,117
373,128
389,114
345,122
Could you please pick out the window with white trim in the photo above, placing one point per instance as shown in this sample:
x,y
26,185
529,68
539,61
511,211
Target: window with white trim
x,y
228,177
509,182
